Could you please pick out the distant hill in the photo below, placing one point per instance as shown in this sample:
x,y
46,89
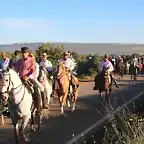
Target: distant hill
x,y
85,48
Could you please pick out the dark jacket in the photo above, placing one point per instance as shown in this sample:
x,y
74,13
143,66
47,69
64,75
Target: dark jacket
x,y
13,61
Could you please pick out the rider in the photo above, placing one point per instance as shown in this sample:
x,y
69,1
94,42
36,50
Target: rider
x,y
14,60
106,64
113,61
71,57
5,61
69,64
26,67
45,62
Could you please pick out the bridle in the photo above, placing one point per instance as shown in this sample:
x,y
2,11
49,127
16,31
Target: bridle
x,y
10,91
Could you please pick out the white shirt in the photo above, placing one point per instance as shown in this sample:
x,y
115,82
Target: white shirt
x,y
68,63
106,64
5,63
113,60
47,64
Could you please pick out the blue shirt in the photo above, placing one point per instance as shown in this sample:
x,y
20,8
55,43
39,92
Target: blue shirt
x,y
5,63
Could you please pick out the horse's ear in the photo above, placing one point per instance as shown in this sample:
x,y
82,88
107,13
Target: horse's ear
x,y
6,70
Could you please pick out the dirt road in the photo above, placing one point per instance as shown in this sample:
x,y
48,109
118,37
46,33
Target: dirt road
x,y
58,130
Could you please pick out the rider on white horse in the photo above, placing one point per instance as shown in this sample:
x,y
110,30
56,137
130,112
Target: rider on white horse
x,y
46,63
26,67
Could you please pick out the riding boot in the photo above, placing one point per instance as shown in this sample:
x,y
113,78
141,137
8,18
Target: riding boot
x,y
38,101
44,100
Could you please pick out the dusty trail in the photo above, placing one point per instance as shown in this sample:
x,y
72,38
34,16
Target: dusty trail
x,y
58,130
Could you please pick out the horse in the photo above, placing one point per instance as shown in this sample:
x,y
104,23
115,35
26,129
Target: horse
x,y
104,82
46,82
63,78
119,69
20,102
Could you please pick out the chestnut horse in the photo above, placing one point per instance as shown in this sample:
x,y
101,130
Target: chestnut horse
x,y
64,81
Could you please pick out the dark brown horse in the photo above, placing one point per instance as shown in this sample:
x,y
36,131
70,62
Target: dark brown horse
x,y
103,82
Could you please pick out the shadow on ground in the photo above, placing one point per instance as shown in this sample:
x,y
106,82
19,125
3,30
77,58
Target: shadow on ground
x,y
58,130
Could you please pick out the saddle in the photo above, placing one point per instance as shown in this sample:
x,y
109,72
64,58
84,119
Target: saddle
x,y
103,80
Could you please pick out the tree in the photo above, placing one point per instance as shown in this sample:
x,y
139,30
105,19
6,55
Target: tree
x,y
54,53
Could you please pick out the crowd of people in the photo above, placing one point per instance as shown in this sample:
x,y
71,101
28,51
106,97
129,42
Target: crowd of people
x,y
28,67
138,62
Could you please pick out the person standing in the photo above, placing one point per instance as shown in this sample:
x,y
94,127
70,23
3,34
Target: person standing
x,y
14,60
5,61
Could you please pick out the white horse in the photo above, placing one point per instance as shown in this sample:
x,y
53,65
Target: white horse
x,y
19,103
43,78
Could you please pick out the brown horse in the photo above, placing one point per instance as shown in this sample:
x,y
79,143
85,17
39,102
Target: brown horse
x,y
103,80
64,81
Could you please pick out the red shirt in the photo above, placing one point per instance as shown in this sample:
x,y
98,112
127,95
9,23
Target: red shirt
x,y
26,67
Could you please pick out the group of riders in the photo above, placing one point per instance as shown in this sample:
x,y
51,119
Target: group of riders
x,y
119,66
28,69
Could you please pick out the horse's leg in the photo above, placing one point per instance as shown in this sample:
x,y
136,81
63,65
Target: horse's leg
x,y
49,92
32,125
75,95
16,131
24,123
70,91
16,127
65,94
2,119
60,102
101,99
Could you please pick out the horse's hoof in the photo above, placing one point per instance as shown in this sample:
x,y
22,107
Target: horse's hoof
x,y
68,103
61,115
73,109
33,129
25,139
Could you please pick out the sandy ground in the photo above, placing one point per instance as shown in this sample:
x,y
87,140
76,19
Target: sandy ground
x,y
58,130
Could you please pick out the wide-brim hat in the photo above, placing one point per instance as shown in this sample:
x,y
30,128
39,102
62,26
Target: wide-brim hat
x,y
25,49
66,54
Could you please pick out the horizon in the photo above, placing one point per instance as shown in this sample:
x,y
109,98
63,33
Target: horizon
x,y
74,21
72,43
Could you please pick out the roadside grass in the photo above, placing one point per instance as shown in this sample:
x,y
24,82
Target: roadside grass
x,y
123,127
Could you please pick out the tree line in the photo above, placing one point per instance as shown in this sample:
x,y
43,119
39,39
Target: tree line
x,y
87,65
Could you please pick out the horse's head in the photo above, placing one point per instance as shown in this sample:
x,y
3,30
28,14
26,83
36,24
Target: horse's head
x,y
5,85
61,69
8,82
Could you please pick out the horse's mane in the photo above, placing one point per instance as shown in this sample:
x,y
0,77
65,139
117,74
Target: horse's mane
x,y
62,65
14,74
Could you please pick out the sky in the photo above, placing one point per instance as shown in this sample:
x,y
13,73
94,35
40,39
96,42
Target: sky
x,y
82,21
